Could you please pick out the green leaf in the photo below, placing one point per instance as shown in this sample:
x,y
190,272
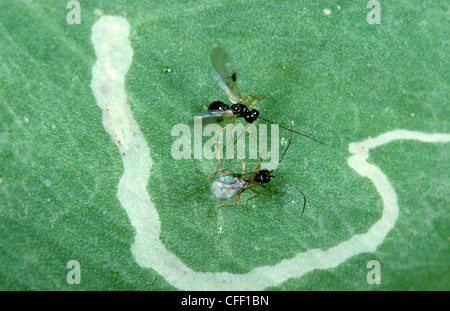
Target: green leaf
x,y
339,78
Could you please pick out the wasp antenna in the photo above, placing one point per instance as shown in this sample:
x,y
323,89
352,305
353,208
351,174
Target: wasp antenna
x,y
304,135
304,197
289,144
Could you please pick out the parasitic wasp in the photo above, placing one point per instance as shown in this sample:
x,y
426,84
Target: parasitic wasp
x,y
229,185
224,74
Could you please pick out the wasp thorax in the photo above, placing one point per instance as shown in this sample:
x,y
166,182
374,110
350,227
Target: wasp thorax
x,y
263,176
239,110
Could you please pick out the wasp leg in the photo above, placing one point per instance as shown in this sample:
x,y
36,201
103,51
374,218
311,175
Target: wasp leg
x,y
271,190
240,135
234,145
227,205
257,195
217,140
258,167
256,99
217,151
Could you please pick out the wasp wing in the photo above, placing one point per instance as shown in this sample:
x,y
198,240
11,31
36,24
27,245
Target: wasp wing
x,y
224,73
216,116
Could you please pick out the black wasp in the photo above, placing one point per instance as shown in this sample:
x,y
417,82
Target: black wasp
x,y
229,185
224,75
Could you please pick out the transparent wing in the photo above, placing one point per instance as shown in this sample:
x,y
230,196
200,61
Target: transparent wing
x,y
216,116
224,74
226,187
